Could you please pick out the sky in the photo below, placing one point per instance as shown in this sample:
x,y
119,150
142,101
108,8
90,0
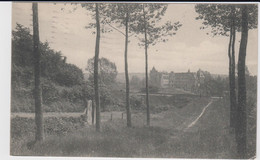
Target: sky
x,y
63,26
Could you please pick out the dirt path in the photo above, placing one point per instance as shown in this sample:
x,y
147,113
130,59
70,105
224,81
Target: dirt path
x,y
179,118
209,133
201,114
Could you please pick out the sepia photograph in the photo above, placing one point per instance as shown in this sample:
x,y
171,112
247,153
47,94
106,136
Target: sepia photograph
x,y
134,80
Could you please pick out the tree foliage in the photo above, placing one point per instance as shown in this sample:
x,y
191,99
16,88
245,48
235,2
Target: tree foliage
x,y
136,82
53,65
117,15
22,51
103,18
217,16
60,81
107,78
155,33
107,73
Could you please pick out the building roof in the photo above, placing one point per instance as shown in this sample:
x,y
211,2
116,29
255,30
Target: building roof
x,y
185,75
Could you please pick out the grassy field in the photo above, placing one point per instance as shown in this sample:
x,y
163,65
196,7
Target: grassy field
x,y
166,138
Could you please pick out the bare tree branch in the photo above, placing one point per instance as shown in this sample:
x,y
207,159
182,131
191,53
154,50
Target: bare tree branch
x,y
131,35
116,29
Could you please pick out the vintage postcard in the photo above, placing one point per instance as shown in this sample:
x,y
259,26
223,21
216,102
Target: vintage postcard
x,y
134,80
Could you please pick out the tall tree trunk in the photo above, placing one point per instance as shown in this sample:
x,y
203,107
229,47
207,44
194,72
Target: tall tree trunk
x,y
233,98
39,135
128,110
230,79
96,87
233,80
146,71
241,128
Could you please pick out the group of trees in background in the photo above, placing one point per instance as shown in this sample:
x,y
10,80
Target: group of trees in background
x,y
226,20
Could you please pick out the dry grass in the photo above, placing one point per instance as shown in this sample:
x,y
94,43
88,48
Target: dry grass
x,y
209,138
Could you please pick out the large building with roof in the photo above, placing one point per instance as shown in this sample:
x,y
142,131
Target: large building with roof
x,y
189,81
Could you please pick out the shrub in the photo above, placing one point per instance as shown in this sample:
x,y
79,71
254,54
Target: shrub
x,y
49,92
22,127
55,73
68,75
136,102
72,94
152,89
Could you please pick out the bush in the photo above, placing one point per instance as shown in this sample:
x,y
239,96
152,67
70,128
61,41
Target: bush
x,y
72,94
55,73
136,102
21,127
152,89
49,92
68,75
21,76
61,126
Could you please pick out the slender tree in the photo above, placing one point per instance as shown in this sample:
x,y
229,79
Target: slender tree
x,y
95,9
151,15
248,21
124,15
129,123
232,74
96,86
241,134
39,135
146,69
98,11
